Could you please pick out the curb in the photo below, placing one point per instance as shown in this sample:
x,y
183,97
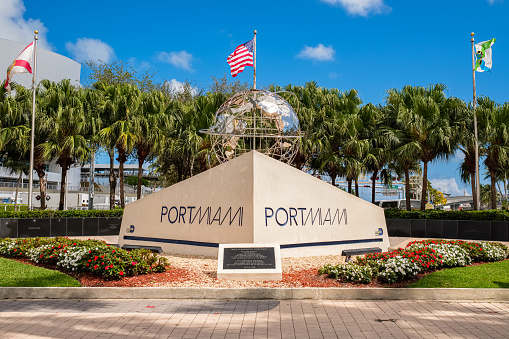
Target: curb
x,y
430,294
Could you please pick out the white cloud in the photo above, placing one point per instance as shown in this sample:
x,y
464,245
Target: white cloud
x,y
140,65
90,49
180,59
447,186
176,86
14,27
362,7
319,53
491,2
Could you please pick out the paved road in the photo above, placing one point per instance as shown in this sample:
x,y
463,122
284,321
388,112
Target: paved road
x,y
251,319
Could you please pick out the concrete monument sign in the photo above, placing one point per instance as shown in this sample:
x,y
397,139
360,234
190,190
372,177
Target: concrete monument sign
x,y
254,199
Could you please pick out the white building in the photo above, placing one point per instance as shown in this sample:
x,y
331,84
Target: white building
x,y
50,65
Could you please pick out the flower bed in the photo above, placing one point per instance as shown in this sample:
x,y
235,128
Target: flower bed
x,y
417,257
81,256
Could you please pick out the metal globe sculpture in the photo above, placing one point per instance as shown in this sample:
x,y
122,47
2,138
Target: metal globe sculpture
x,y
255,120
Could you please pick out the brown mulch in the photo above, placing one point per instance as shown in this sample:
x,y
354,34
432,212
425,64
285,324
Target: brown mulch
x,y
189,271
197,271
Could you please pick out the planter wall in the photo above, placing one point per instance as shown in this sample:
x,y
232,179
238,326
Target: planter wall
x,y
53,227
449,229
415,228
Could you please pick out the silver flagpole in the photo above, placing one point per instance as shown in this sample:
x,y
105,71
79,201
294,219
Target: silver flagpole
x,y
254,60
253,146
474,104
32,133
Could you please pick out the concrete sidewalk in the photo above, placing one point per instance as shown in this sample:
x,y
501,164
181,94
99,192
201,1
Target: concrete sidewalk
x,y
251,319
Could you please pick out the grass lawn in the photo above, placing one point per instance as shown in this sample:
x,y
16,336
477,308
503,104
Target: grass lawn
x,y
492,275
16,274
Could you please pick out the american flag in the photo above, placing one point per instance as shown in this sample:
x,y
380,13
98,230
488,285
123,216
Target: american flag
x,y
241,57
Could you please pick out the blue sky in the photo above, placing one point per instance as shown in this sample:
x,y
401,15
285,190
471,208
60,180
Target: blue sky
x,y
368,45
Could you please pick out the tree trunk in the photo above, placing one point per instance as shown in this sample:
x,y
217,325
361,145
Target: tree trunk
x,y
424,185
121,182
191,167
505,187
42,191
373,184
356,186
122,158
349,180
180,170
407,189
17,191
141,160
493,190
112,179
477,205
500,191
62,188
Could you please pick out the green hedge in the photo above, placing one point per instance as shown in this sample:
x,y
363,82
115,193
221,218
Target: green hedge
x,y
116,213
488,215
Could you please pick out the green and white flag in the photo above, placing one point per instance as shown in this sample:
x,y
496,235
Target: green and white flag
x,y
483,55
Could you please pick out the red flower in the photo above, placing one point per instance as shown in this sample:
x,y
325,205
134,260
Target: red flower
x,y
87,264
134,263
95,267
106,267
121,273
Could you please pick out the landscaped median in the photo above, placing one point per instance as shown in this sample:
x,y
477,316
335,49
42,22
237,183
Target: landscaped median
x,y
417,257
94,263
83,256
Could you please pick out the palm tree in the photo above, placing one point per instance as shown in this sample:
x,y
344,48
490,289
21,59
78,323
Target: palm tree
x,y
380,148
125,101
148,125
494,131
107,105
429,121
66,142
16,116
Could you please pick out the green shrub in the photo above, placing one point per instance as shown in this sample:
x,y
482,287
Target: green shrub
x,y
84,256
116,213
417,256
489,215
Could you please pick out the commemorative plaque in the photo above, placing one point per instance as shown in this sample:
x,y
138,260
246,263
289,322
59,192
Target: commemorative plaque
x,y
249,258
249,262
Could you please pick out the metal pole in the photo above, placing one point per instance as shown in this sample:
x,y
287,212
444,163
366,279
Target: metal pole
x,y
474,104
91,181
66,189
254,60
32,133
253,146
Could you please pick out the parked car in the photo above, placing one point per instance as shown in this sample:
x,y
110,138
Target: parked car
x,y
399,203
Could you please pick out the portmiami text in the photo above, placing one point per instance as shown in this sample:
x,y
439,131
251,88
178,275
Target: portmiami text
x,y
302,216
202,215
